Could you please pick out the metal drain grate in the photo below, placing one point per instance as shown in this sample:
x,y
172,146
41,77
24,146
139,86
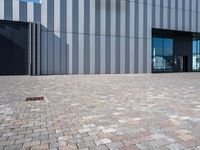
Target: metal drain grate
x,y
34,98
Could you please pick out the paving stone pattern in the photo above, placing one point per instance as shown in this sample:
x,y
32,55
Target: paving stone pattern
x,y
101,112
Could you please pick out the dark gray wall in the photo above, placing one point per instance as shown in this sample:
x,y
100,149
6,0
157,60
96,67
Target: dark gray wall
x,y
183,46
13,48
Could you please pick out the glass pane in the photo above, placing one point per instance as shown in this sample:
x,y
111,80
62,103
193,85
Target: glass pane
x,y
168,51
158,46
196,54
168,47
162,54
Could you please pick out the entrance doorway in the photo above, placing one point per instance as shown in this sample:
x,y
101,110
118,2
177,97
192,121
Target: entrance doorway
x,y
182,64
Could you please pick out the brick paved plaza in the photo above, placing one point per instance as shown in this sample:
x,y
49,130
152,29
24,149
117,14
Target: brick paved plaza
x,y
101,112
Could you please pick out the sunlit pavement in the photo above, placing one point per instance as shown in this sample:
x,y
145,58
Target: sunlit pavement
x,y
125,112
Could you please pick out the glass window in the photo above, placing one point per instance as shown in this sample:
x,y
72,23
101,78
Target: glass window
x,y
158,46
196,55
162,54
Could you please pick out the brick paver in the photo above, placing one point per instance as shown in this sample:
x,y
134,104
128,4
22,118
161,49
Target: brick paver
x,y
101,112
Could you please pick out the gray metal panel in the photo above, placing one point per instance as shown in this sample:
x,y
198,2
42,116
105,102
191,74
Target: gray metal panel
x,y
63,53
131,39
127,28
87,37
157,16
92,37
81,53
117,55
23,11
81,27
108,38
63,37
86,54
30,12
44,14
16,10
33,62
29,48
97,54
50,55
38,49
57,51
122,54
165,15
44,39
37,12
50,15
141,36
122,35
113,47
117,50
198,17
180,15
8,10
75,46
75,53
2,9
103,38
44,53
113,38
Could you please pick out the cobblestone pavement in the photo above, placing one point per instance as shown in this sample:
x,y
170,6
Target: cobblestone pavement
x,y
101,112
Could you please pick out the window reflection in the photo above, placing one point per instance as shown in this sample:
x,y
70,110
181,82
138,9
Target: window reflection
x,y
162,54
196,55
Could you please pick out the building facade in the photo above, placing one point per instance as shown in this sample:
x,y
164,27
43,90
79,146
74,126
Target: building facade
x,y
108,36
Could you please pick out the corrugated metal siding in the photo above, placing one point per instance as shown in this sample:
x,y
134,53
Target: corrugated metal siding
x,y
101,36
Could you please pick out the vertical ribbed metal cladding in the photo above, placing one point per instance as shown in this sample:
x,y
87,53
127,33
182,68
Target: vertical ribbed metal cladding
x,y
101,36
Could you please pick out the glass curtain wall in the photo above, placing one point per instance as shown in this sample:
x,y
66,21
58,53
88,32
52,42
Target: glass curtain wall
x,y
162,54
196,54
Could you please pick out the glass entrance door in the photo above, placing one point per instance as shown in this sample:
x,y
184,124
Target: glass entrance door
x,y
181,63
